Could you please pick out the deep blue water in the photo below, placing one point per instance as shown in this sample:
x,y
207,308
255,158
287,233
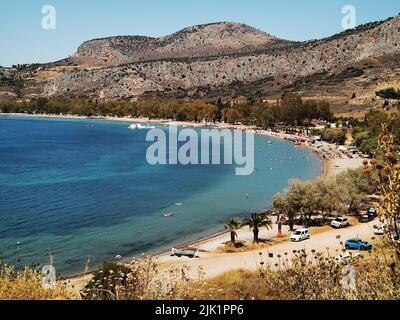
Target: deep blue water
x,y
77,191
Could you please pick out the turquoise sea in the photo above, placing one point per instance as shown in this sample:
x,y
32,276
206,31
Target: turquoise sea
x,y
78,191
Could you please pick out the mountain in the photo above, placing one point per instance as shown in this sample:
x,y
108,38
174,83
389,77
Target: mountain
x,y
224,60
198,41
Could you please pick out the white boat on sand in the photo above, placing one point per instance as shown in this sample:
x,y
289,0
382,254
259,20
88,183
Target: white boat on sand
x,y
189,252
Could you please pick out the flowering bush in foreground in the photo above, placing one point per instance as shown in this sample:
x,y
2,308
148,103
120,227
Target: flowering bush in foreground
x,y
27,285
297,275
309,276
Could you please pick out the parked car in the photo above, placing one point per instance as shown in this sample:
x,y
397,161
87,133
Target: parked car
x,y
347,256
379,230
340,222
366,218
372,212
300,235
358,244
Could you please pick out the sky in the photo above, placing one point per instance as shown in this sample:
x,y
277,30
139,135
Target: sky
x,y
24,40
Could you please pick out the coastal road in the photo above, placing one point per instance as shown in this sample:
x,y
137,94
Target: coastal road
x,y
215,263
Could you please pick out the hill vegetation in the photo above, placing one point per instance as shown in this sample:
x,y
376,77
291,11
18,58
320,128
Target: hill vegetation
x,y
366,133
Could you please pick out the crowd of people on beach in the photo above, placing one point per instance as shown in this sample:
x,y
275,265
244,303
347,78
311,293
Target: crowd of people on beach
x,y
325,150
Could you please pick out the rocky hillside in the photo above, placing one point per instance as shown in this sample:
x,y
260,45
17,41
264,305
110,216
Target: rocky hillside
x,y
225,60
198,41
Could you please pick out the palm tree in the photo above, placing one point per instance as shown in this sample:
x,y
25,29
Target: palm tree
x,y
232,226
255,222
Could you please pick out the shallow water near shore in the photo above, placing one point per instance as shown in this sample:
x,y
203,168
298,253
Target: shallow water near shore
x,y
77,191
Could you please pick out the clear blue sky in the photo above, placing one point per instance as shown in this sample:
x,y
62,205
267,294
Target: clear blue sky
x,y
24,41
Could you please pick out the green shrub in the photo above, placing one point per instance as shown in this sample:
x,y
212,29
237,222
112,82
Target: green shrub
x,y
334,136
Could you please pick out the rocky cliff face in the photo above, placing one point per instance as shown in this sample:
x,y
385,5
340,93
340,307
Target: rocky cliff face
x,y
227,60
197,41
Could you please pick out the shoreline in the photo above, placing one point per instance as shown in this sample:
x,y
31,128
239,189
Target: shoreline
x,y
326,170
165,122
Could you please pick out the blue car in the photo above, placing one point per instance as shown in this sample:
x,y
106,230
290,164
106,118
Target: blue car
x,y
358,244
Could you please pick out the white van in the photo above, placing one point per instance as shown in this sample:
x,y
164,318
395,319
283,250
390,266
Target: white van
x,y
340,222
300,235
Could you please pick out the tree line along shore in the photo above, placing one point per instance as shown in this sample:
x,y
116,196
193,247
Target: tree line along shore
x,y
289,114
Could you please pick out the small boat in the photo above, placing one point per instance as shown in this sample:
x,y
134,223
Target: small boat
x,y
270,142
189,252
168,215
138,126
